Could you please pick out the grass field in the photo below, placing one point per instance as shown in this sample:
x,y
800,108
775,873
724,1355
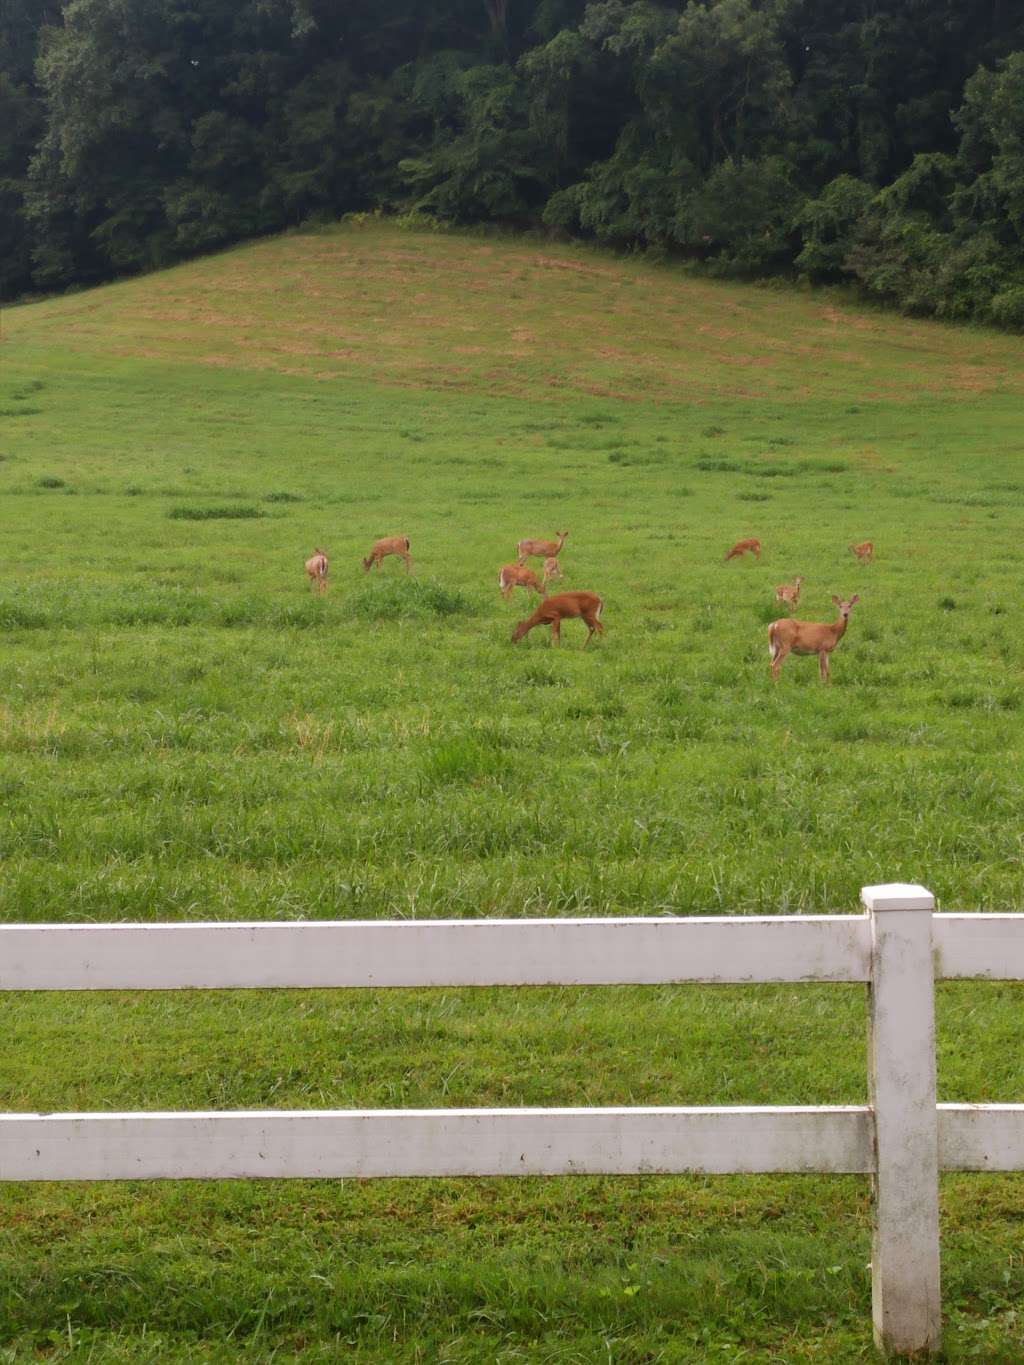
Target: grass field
x,y
186,732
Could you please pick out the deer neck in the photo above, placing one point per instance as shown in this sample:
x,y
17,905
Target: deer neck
x,y
839,627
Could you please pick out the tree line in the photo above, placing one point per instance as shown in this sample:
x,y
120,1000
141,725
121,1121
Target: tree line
x,y
874,141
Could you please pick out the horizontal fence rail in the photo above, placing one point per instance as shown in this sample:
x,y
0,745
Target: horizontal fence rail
x,y
352,953
902,1137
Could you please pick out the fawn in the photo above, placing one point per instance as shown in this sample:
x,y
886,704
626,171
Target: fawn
x,y
515,576
543,549
742,546
865,551
390,545
789,592
317,567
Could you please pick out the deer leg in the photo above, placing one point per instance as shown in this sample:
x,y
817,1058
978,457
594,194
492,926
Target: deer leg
x,y
777,659
556,631
823,666
408,564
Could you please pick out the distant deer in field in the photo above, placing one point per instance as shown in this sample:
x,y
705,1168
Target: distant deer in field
x,y
390,545
865,551
515,576
807,637
789,592
543,549
552,569
564,606
742,546
317,567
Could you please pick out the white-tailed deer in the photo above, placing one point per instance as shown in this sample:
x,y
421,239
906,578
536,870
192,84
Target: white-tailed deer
x,y
865,551
789,592
552,569
742,547
564,606
390,545
515,576
807,637
543,549
317,567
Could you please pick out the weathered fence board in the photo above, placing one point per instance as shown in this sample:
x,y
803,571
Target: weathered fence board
x,y
987,946
433,1142
529,952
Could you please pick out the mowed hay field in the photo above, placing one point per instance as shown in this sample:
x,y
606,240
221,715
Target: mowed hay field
x,y
186,732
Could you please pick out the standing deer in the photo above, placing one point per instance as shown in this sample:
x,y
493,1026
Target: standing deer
x,y
390,545
789,592
552,569
807,637
543,549
317,567
564,606
515,576
742,546
865,551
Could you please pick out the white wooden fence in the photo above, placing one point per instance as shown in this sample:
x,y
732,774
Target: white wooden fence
x,y
902,1137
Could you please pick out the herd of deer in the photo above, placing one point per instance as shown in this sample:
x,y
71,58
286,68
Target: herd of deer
x,y
785,636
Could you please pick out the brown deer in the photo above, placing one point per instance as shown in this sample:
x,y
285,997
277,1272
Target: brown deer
x,y
552,569
807,637
789,592
515,576
543,549
564,606
317,567
390,545
742,546
865,551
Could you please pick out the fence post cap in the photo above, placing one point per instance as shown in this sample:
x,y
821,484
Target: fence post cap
x,y
897,896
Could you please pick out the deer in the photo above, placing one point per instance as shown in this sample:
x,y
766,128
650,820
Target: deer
x,y
789,592
742,547
390,545
542,549
808,637
515,576
865,551
552,569
564,606
317,567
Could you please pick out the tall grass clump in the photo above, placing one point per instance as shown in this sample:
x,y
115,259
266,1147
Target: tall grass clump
x,y
407,599
226,513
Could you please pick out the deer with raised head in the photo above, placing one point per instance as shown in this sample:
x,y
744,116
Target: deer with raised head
x,y
515,576
390,545
542,549
562,607
743,547
808,637
865,551
552,569
316,567
789,592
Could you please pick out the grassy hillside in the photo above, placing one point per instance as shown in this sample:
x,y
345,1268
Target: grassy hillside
x,y
185,732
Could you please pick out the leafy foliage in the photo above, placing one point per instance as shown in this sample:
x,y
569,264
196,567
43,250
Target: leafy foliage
x,y
882,145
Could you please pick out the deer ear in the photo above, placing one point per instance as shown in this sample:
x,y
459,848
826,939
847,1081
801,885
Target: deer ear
x,y
855,598
835,599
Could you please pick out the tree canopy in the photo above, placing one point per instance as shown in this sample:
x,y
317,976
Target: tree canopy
x,y
879,141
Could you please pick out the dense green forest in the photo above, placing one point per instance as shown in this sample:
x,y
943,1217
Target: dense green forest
x,y
876,141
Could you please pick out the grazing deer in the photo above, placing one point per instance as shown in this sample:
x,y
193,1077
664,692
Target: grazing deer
x,y
515,576
789,592
317,568
561,607
543,549
390,545
807,637
552,569
865,551
742,546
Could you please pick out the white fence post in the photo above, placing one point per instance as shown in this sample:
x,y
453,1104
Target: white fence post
x,y
901,1078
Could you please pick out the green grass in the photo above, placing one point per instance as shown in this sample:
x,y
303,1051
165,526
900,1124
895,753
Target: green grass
x,y
187,732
